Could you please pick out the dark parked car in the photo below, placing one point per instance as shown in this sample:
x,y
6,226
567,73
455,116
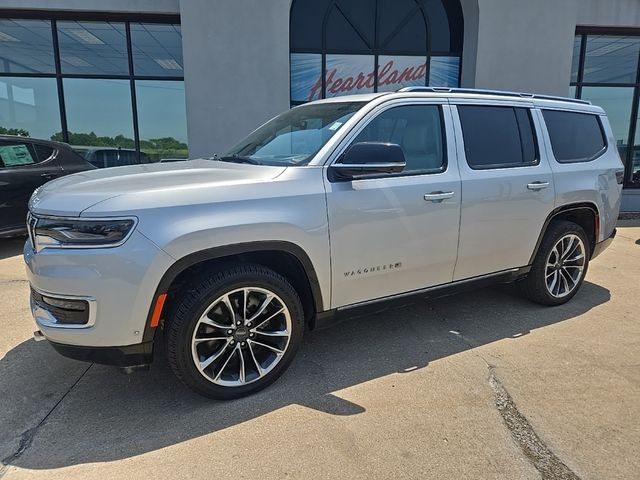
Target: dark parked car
x,y
25,164
115,157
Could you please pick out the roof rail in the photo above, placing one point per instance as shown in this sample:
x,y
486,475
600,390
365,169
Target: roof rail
x,y
498,93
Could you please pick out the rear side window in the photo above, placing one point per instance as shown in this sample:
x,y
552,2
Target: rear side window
x,y
575,137
17,154
497,137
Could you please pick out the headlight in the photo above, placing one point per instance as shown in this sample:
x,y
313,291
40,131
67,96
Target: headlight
x,y
50,232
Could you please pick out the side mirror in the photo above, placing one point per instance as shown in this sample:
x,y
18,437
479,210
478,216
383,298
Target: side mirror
x,y
368,158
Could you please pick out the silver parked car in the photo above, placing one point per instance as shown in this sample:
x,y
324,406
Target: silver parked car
x,y
327,208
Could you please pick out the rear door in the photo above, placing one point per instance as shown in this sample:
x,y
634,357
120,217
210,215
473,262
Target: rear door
x,y
507,186
22,170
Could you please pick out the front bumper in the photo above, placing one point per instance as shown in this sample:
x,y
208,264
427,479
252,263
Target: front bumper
x,y
118,285
125,356
603,245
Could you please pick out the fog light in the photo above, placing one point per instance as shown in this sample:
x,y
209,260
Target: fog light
x,y
77,305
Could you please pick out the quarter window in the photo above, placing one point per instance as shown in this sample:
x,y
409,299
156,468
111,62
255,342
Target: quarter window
x,y
575,137
497,137
417,129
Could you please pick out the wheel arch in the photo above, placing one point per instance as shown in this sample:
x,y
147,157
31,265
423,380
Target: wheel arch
x,y
585,214
286,258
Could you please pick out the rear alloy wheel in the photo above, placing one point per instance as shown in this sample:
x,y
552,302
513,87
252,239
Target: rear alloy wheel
x,y
560,265
565,264
234,332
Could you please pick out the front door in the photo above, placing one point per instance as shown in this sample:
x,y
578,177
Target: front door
x,y
397,232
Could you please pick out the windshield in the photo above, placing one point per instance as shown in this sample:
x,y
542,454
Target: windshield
x,y
293,137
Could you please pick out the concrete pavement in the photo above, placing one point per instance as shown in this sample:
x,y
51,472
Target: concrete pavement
x,y
478,385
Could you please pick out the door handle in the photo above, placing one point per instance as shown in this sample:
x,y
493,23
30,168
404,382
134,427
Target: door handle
x,y
437,196
537,185
48,176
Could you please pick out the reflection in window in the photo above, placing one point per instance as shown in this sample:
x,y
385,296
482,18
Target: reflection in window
x,y
616,101
634,168
26,46
610,79
611,59
162,122
157,49
29,107
99,114
97,48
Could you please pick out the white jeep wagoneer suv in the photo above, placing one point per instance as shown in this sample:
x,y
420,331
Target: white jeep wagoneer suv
x,y
333,205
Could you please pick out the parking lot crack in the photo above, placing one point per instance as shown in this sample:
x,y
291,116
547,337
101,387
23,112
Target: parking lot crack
x,y
26,439
543,459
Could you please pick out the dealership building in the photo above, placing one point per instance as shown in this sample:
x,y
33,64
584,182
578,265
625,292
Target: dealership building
x,y
171,78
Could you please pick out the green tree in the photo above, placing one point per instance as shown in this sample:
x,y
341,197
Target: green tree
x,y
14,131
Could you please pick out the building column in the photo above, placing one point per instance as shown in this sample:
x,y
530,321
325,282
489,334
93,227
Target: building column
x,y
236,59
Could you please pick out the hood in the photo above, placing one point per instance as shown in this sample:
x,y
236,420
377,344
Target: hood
x,y
72,194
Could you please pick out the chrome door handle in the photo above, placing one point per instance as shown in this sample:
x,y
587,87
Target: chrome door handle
x,y
537,185
437,196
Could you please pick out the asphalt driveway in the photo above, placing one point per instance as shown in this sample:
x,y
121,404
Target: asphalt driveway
x,y
478,385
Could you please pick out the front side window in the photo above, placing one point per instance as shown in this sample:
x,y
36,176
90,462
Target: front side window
x,y
497,137
293,137
417,129
575,137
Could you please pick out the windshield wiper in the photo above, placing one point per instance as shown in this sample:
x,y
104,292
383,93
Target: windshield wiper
x,y
237,159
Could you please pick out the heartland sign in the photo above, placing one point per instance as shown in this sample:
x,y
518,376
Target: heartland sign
x,y
388,75
350,74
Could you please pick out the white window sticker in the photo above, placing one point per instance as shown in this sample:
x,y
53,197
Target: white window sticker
x,y
15,155
335,126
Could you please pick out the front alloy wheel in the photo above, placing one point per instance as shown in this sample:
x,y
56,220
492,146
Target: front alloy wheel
x,y
233,332
241,336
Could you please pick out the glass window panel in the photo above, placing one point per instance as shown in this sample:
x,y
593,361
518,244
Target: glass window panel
x,y
634,174
575,63
572,92
99,116
157,49
349,74
416,128
162,121
306,77
395,72
611,59
616,101
29,107
94,48
493,138
26,46
444,72
575,137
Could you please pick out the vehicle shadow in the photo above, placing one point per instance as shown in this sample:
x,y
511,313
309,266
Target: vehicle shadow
x,y
10,247
108,416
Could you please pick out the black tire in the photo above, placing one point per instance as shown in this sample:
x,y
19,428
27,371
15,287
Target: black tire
x,y
192,303
534,285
